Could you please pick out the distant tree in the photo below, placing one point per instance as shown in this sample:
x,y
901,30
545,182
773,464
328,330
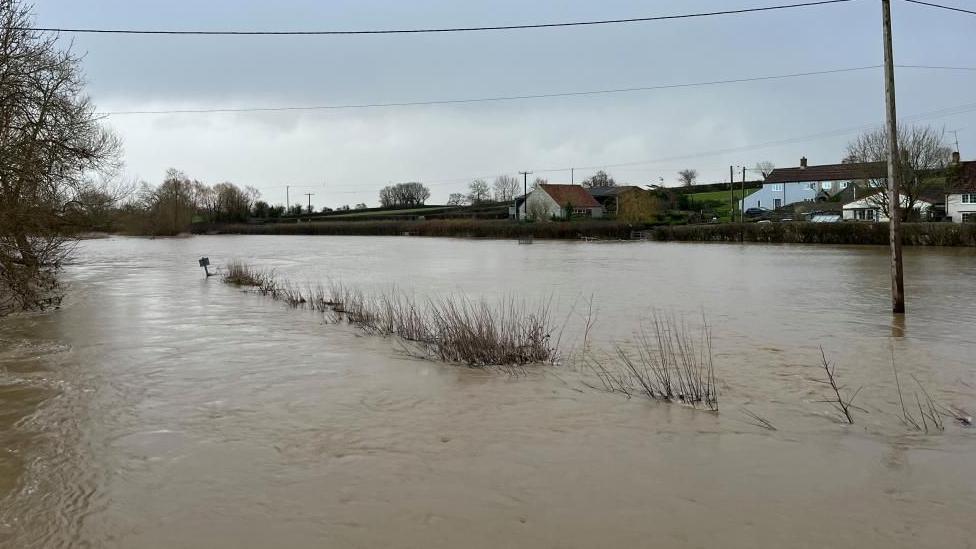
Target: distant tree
x,y
599,179
765,168
361,206
404,195
505,187
457,199
295,209
276,211
478,191
260,209
637,206
326,209
687,177
539,181
343,208
923,151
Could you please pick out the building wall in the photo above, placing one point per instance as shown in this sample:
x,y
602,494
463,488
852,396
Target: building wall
x,y
955,208
539,200
789,193
803,191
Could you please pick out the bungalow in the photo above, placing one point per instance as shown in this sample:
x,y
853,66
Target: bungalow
x,y
785,186
558,201
869,208
961,198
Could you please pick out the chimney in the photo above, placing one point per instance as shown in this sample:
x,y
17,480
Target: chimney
x,y
803,163
955,158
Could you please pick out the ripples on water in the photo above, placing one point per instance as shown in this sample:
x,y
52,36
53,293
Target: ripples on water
x,y
159,409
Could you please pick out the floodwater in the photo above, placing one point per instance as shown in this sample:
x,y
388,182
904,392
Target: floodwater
x,y
160,409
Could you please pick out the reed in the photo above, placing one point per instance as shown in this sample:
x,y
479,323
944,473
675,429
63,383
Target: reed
x,y
670,363
452,329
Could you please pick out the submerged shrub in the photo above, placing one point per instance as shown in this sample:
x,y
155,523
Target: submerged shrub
x,y
453,329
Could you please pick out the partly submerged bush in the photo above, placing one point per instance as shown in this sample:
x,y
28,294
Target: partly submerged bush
x,y
453,329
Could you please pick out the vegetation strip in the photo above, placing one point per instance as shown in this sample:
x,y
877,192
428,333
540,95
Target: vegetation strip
x,y
452,329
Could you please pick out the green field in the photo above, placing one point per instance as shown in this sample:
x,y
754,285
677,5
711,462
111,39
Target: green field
x,y
722,210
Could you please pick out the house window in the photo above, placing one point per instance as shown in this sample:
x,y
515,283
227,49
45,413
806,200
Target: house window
x,y
825,185
865,214
844,184
778,203
581,211
969,217
813,186
777,187
969,198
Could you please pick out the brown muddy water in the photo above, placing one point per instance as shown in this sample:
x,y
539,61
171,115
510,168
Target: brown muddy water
x,y
160,409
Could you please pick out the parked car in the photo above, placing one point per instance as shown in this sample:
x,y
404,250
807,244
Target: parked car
x,y
756,212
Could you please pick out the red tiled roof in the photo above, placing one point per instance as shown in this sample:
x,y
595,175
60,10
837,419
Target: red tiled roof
x,y
565,195
830,172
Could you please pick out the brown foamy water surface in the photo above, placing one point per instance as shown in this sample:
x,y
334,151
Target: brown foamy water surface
x,y
161,409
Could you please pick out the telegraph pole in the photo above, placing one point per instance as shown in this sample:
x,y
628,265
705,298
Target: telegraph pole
x,y
287,198
894,196
731,194
525,193
309,195
742,197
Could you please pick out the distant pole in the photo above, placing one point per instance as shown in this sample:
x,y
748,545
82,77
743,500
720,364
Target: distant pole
x,y
287,198
742,197
525,193
572,174
309,195
894,196
731,193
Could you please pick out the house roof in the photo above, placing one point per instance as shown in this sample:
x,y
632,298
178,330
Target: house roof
x,y
830,172
570,194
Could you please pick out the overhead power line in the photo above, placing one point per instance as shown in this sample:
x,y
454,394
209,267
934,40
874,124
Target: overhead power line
x,y
940,6
441,29
500,98
518,97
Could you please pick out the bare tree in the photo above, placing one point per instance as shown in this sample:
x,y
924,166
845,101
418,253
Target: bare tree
x,y
765,168
923,150
506,188
404,195
599,179
478,191
51,143
457,199
687,177
539,181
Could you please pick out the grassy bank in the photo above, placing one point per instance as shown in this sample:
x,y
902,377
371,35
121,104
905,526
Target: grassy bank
x,y
470,228
914,234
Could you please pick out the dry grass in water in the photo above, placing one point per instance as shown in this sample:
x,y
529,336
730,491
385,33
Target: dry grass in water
x,y
242,274
454,329
841,403
670,363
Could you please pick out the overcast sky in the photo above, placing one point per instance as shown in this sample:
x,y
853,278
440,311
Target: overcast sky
x,y
346,156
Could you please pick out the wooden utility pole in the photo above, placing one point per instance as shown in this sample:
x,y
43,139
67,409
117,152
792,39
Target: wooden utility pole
x,y
309,195
525,193
742,197
894,196
731,194
287,198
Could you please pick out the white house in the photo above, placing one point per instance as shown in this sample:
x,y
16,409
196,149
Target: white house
x,y
961,200
868,208
785,186
555,201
